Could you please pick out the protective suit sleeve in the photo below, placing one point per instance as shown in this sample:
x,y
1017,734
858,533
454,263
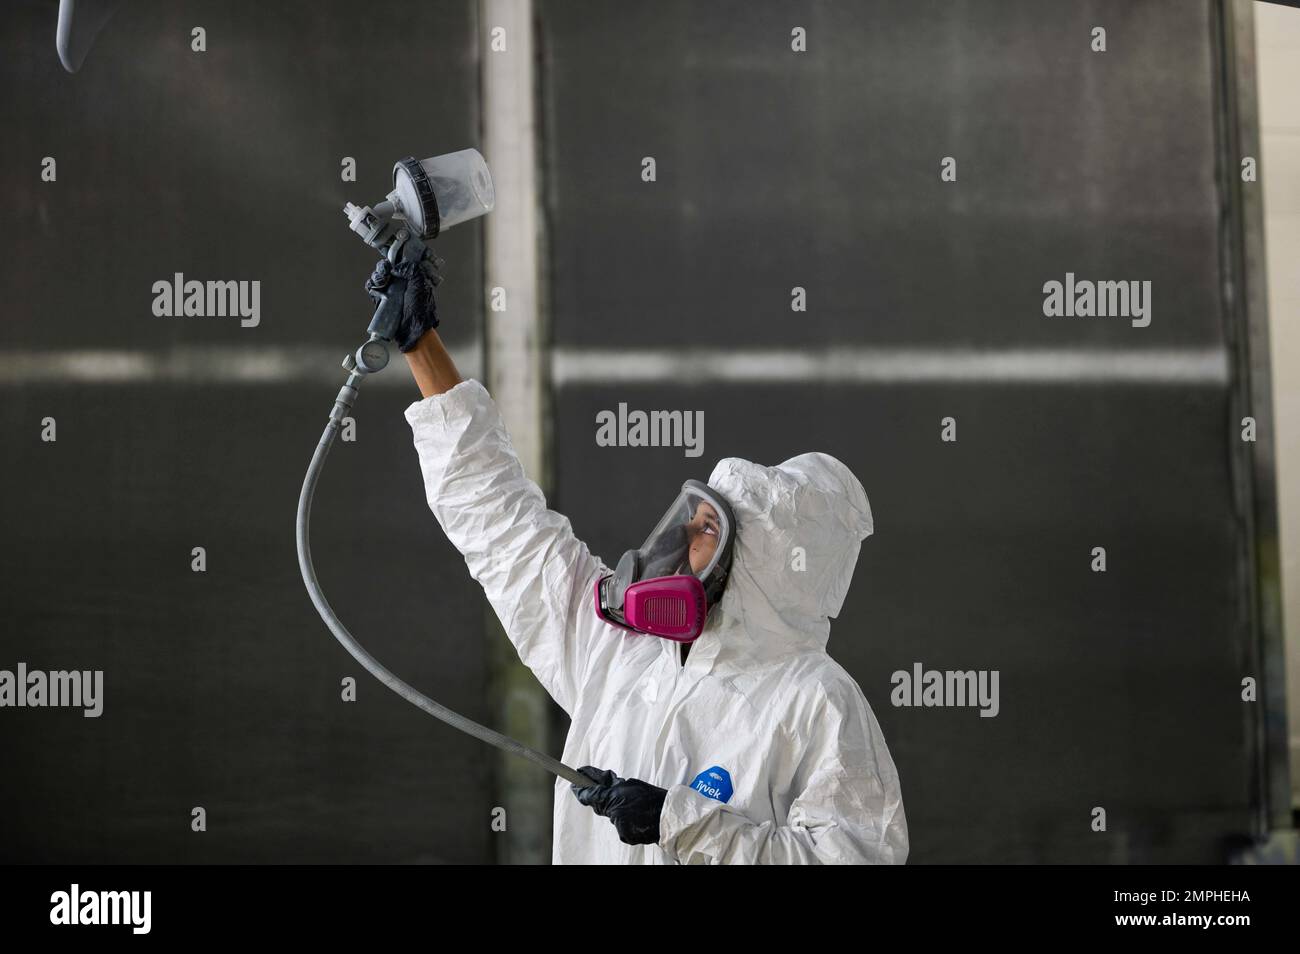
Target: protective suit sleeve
x,y
849,810
537,575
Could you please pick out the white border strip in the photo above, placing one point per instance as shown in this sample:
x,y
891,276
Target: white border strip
x,y
572,367
1208,366
205,365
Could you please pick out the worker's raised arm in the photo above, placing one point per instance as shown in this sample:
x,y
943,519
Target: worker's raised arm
x,y
431,365
537,575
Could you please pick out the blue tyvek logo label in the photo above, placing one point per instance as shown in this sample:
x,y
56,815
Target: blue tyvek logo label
x,y
714,783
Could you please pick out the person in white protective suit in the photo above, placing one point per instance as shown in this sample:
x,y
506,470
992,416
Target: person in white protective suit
x,y
745,744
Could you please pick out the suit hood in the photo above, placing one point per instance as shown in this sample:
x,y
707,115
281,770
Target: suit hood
x,y
799,527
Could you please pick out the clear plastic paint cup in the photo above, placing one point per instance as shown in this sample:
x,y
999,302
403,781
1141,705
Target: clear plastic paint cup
x,y
459,186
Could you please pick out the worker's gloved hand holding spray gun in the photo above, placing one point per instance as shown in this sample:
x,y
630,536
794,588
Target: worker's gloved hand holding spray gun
x,y
427,198
406,289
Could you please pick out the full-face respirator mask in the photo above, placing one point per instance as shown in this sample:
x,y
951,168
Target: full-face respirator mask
x,y
667,586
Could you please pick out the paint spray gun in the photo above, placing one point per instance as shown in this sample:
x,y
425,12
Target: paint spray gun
x,y
428,198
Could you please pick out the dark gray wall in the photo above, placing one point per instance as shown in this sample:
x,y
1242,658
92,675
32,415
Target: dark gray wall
x,y
223,688
822,170
774,170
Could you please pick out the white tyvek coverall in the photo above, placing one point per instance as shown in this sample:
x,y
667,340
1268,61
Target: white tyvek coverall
x,y
758,696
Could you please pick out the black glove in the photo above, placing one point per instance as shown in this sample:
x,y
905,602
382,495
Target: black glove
x,y
632,805
419,309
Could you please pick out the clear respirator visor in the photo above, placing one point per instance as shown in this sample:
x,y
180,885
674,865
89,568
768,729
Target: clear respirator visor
x,y
689,540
